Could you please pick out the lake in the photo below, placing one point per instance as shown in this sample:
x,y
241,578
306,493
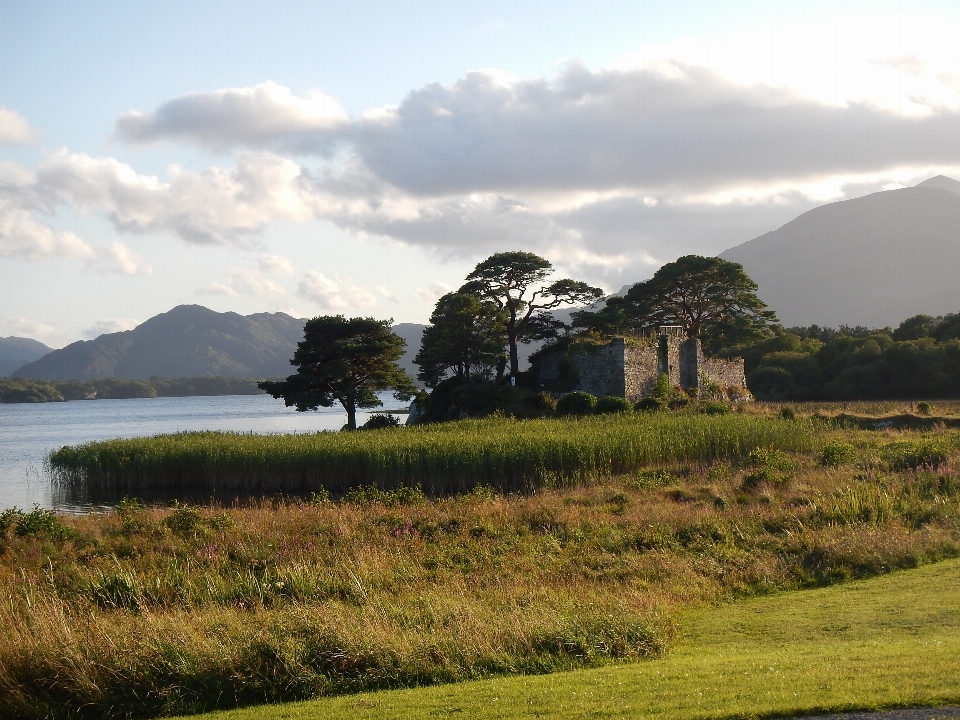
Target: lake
x,y
28,432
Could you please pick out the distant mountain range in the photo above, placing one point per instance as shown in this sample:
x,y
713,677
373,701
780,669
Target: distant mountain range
x,y
188,341
16,351
872,261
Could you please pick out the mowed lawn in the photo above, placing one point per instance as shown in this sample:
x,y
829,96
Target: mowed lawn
x,y
886,642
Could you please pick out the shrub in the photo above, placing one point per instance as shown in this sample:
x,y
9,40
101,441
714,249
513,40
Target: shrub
x,y
576,403
768,466
542,403
648,404
837,453
37,522
788,413
612,404
923,408
646,479
715,408
380,421
914,454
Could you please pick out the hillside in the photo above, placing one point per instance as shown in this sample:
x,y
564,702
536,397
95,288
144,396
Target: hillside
x,y
16,351
872,261
188,341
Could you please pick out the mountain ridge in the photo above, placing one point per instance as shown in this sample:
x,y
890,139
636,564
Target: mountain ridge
x,y
874,260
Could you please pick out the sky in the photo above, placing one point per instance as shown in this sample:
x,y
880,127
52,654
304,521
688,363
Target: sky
x,y
359,158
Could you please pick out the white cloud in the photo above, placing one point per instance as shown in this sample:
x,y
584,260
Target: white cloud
x,y
275,264
336,295
217,289
385,293
432,292
266,115
117,257
104,326
14,128
22,236
245,282
22,327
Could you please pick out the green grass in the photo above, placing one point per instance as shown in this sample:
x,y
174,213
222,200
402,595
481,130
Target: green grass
x,y
508,455
887,642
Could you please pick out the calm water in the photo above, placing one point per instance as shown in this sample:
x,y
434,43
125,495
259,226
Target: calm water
x,y
28,432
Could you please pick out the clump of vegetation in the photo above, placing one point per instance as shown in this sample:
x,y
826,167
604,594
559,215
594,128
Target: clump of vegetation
x,y
612,404
914,454
576,403
379,421
768,466
155,612
836,453
923,408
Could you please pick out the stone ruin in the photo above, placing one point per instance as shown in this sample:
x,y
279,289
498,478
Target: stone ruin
x,y
628,367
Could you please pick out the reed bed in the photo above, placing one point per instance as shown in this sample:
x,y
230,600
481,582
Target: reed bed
x,y
505,454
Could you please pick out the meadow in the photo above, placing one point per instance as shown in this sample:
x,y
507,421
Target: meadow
x,y
879,644
145,612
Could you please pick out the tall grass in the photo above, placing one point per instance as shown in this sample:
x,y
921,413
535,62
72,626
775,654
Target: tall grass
x,y
505,454
146,612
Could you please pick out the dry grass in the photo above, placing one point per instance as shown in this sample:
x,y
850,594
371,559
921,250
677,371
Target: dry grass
x,y
146,612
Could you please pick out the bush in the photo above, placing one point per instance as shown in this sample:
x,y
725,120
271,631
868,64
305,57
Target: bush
x,y
576,403
649,404
768,466
37,522
542,403
715,408
914,454
923,408
788,413
837,453
612,404
380,421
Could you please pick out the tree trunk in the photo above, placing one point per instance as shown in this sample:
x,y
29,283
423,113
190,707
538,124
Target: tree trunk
x,y
351,415
514,358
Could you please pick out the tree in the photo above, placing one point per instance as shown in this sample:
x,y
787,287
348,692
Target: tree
x,y
466,335
506,279
707,296
345,361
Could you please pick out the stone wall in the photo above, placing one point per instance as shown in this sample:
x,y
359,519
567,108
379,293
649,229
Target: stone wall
x,y
630,368
641,370
601,367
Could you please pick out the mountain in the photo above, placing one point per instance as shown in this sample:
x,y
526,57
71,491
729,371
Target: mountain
x,y
15,351
188,341
412,333
872,261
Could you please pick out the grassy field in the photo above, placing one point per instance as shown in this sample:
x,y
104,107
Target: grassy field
x,y
148,612
882,643
508,455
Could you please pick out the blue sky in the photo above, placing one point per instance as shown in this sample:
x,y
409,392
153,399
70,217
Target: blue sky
x,y
361,157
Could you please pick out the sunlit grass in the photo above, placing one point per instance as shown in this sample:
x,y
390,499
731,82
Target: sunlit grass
x,y
508,455
888,642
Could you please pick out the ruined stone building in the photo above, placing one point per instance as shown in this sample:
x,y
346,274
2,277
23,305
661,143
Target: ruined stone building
x,y
628,367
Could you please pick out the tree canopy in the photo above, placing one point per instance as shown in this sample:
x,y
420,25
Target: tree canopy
x,y
466,335
346,361
517,282
707,296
